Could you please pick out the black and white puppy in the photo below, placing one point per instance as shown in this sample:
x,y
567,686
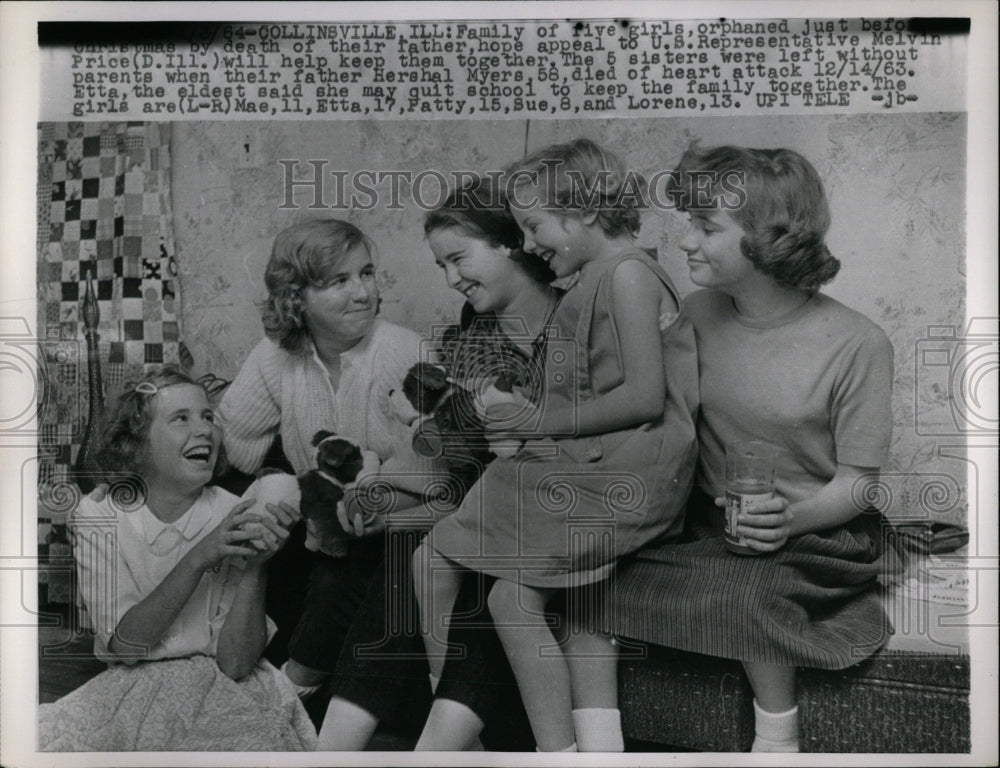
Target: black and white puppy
x,y
340,462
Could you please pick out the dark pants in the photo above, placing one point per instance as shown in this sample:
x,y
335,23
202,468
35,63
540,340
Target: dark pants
x,y
313,598
334,594
383,668
478,675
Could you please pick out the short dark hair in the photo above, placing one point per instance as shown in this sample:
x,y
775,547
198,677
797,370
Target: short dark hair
x,y
782,209
304,254
479,209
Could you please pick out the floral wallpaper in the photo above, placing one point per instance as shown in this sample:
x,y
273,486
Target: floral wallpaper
x,y
896,185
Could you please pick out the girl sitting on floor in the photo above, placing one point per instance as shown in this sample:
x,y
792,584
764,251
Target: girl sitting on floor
x,y
174,583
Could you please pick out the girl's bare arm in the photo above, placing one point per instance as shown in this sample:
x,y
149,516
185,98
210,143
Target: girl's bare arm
x,y
637,296
145,623
773,522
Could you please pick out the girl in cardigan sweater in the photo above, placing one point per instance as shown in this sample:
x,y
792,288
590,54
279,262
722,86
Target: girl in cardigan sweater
x,y
327,363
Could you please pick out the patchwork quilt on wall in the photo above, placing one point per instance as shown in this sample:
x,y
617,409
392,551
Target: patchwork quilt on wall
x,y
104,211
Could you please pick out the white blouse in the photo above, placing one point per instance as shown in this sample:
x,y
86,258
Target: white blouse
x,y
122,554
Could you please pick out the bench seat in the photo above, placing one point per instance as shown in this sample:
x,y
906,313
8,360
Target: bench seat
x,y
910,697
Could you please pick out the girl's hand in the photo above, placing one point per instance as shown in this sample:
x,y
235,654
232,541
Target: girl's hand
x,y
355,520
768,527
512,423
270,535
286,515
504,418
501,422
227,539
282,514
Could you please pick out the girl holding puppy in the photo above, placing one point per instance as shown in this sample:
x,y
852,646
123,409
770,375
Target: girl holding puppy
x,y
175,583
509,304
608,457
328,362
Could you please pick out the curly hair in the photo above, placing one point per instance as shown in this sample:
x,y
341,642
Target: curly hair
x,y
581,176
123,446
776,197
304,254
479,210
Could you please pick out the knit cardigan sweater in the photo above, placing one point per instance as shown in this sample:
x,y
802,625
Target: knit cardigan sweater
x,y
280,392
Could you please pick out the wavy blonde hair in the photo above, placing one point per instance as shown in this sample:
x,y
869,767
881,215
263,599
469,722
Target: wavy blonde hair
x,y
304,254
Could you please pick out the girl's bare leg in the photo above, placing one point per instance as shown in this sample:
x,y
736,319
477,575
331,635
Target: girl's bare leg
x,y
346,727
591,654
450,727
775,710
544,681
593,668
436,581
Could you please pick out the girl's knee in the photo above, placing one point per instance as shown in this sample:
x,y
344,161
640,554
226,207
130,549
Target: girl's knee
x,y
497,601
504,602
434,576
419,558
302,675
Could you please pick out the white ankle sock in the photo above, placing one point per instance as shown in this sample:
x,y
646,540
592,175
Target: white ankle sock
x,y
775,731
303,691
598,730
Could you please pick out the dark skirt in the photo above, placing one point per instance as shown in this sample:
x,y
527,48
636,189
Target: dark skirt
x,y
814,603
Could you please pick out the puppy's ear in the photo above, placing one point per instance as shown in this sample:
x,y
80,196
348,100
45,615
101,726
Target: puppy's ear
x,y
434,377
320,436
353,455
505,381
413,386
426,375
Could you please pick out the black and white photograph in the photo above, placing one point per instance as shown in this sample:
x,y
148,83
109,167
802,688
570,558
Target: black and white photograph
x,y
450,383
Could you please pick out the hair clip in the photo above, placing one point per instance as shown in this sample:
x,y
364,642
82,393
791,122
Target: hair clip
x,y
146,388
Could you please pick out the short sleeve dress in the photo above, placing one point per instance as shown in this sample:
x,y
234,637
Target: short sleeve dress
x,y
564,509
815,383
174,697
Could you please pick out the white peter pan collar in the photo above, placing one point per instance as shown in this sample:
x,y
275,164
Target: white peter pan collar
x,y
162,538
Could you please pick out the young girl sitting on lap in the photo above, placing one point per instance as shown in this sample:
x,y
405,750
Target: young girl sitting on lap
x,y
173,573
606,469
